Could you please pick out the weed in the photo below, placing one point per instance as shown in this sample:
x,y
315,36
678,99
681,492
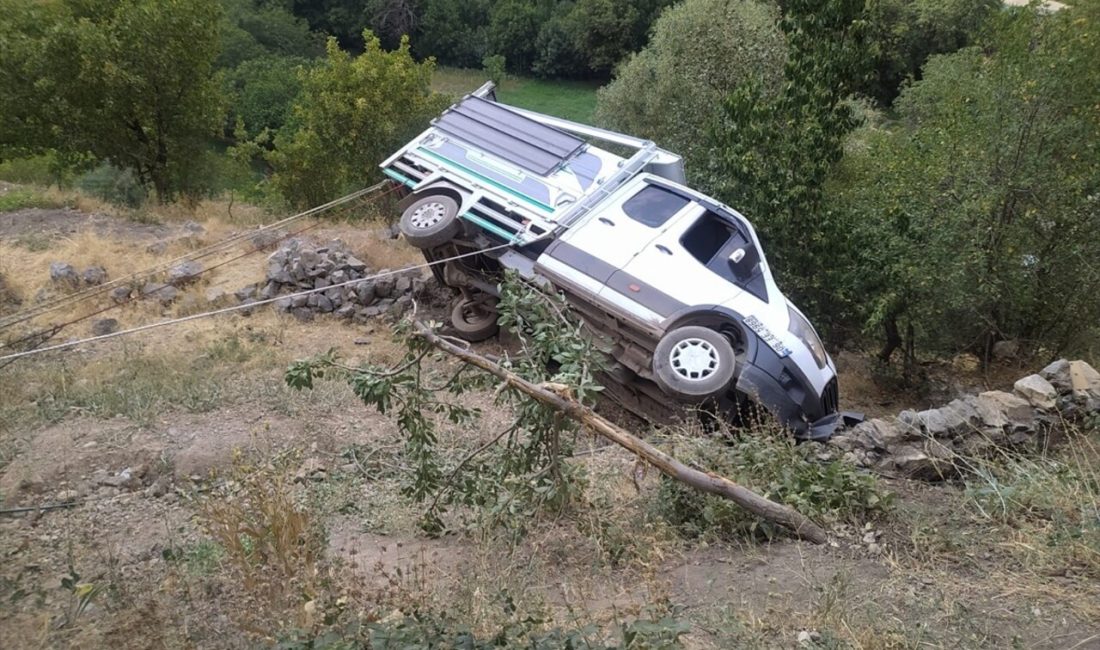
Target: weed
x,y
259,523
766,460
200,559
1053,499
23,198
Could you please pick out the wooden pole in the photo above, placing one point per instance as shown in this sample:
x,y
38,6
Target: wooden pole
x,y
800,525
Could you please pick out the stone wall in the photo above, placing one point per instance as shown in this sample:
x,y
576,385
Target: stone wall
x,y
928,444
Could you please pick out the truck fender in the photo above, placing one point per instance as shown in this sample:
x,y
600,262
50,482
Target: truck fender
x,y
463,197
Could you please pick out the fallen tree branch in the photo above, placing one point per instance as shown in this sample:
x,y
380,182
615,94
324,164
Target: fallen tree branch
x,y
800,525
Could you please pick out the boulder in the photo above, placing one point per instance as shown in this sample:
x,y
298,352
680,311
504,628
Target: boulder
x,y
1004,350
1057,374
1084,382
64,273
384,286
119,294
913,462
104,326
270,290
1005,410
1036,390
94,275
184,273
244,293
165,293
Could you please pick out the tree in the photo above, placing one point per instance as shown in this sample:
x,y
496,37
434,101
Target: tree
x,y
977,212
605,32
700,51
513,31
262,92
454,31
903,33
353,111
256,28
129,82
773,151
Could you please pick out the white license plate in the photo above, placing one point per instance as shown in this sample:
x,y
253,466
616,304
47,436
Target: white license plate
x,y
765,334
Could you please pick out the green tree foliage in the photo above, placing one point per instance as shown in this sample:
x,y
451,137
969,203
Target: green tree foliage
x,y
978,213
454,31
262,92
130,82
353,111
904,33
513,30
700,51
773,151
264,28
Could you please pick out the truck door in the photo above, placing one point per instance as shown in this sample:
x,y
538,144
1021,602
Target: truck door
x,y
589,254
701,260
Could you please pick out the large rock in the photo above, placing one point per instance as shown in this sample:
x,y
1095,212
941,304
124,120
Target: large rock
x,y
1057,373
64,273
184,273
1084,383
1037,390
1004,410
164,293
120,294
914,462
104,326
95,275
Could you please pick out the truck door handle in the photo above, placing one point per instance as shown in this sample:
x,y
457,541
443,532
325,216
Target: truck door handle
x,y
663,249
606,221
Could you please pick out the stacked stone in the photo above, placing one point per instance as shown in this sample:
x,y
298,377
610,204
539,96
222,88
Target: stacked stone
x,y
928,444
296,267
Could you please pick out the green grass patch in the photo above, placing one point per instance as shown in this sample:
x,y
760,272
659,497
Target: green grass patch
x,y
20,198
572,100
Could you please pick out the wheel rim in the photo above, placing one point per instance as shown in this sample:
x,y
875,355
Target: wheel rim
x,y
474,313
694,359
428,214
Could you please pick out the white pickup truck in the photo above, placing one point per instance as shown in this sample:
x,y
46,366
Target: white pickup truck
x,y
674,281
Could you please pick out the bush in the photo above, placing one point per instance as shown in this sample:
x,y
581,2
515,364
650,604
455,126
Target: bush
x,y
494,68
116,186
768,461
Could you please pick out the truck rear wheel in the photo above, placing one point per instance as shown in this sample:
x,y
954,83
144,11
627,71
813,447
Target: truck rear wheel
x,y
693,363
475,319
430,221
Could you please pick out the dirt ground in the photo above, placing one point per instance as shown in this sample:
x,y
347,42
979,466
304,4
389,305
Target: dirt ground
x,y
135,435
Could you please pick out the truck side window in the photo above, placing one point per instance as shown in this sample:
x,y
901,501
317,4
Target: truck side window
x,y
706,238
653,206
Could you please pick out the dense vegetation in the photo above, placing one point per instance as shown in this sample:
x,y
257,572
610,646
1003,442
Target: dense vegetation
x,y
924,171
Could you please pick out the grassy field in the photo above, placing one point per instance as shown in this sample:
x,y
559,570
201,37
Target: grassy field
x,y
572,100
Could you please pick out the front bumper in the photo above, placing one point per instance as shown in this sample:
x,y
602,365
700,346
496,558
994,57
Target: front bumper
x,y
780,386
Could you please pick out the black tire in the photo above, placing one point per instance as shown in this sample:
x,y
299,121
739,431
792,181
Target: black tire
x,y
430,221
694,363
475,320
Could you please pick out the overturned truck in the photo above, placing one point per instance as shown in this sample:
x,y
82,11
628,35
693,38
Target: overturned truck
x,y
675,283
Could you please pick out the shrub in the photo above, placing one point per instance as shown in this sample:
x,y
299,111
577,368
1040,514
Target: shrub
x,y
353,111
494,68
116,186
767,461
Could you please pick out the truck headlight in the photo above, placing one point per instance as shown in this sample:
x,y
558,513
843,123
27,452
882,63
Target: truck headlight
x,y
801,328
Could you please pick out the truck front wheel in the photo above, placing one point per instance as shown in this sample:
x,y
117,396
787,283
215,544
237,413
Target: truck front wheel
x,y
693,363
430,221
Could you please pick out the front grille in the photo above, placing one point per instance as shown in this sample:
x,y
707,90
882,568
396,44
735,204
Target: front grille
x,y
830,397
